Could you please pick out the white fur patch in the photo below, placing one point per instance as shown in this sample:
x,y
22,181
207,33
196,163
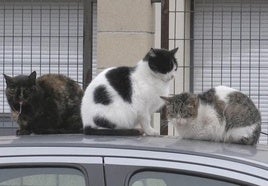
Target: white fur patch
x,y
236,134
147,88
222,92
205,127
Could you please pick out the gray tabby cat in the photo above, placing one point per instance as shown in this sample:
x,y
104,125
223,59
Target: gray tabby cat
x,y
221,114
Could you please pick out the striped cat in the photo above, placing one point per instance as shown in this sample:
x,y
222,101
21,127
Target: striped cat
x,y
220,114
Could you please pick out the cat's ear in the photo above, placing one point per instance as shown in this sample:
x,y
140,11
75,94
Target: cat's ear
x,y
194,100
8,79
152,53
149,55
173,51
32,77
166,99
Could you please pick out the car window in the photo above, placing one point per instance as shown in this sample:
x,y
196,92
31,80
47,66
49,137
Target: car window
x,y
45,176
150,178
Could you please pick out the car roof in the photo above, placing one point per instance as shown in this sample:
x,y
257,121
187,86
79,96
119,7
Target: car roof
x,y
172,144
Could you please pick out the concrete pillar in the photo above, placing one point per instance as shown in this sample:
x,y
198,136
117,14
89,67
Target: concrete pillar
x,y
125,31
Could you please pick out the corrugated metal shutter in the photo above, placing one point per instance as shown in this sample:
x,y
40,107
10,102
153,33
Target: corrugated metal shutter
x,y
45,36
94,41
230,48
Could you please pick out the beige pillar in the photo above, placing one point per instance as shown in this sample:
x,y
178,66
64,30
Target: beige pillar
x,y
125,31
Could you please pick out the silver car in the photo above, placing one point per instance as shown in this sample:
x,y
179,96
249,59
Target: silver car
x,y
79,160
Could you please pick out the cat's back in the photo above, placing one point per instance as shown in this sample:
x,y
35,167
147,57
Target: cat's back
x,y
223,92
109,92
100,80
59,85
232,96
215,95
222,95
112,82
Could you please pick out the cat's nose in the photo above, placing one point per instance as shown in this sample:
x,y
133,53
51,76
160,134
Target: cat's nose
x,y
21,95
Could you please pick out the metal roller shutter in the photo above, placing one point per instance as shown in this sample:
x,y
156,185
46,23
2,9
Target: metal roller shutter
x,y
45,36
230,48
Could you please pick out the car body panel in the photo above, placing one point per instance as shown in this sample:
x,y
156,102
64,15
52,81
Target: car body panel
x,y
245,174
116,159
257,154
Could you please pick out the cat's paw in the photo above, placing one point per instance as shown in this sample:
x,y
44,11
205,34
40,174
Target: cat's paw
x,y
22,132
247,140
244,140
152,132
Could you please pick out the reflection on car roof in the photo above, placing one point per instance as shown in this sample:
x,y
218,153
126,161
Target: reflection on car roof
x,y
161,143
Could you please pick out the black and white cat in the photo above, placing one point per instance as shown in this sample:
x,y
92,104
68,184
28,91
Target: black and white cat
x,y
120,98
220,114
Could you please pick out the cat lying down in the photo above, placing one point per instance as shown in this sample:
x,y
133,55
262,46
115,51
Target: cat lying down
x,y
49,104
221,114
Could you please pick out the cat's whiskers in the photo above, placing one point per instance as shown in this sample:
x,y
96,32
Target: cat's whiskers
x,y
15,113
20,107
18,112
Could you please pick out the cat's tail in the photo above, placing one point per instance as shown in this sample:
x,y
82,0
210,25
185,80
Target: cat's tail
x,y
53,131
112,132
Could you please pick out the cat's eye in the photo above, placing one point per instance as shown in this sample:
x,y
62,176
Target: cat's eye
x,y
11,90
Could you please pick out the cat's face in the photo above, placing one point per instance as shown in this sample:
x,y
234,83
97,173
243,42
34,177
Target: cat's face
x,y
184,105
20,88
161,60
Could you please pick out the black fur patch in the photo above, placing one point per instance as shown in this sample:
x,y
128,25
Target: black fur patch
x,y
119,79
161,60
101,95
112,132
104,123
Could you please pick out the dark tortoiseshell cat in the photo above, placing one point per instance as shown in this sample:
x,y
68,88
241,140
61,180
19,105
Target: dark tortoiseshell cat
x,y
49,104
219,114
